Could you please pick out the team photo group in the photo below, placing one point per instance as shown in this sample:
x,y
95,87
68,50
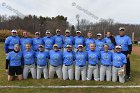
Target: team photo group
x,y
69,57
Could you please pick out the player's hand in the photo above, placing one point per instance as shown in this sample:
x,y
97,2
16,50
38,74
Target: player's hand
x,y
128,56
6,54
7,70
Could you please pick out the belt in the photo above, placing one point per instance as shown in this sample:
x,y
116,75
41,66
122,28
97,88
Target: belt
x,y
29,64
106,65
81,65
41,65
54,66
68,65
118,66
92,64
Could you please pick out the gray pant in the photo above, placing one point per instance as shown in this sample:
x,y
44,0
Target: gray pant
x,y
80,71
105,70
58,71
93,70
68,72
28,68
41,69
115,74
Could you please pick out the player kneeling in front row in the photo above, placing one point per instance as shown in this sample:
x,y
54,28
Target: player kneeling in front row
x,y
119,65
93,59
56,57
29,63
80,59
42,57
106,62
13,63
68,57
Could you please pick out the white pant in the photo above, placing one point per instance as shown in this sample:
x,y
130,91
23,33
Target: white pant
x,y
93,70
105,71
115,74
68,72
28,68
41,69
80,71
58,71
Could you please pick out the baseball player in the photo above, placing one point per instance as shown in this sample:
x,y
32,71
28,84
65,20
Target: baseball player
x,y
78,40
68,39
11,41
14,63
56,58
99,42
119,65
68,58
48,41
29,63
106,63
80,59
126,44
110,40
25,40
42,57
59,39
89,40
37,41
93,59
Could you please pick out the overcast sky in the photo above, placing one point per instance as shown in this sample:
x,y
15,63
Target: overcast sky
x,y
124,11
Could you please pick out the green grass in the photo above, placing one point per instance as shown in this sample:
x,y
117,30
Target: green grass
x,y
135,80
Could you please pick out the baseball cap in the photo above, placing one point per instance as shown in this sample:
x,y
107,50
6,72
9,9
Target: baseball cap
x,y
57,30
80,46
67,31
55,45
68,46
37,33
121,29
99,34
14,31
78,31
118,46
48,32
42,46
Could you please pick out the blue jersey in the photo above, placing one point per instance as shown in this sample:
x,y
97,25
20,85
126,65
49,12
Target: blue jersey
x,y
37,42
89,41
93,57
28,57
15,58
109,43
10,42
124,41
106,58
79,40
24,41
58,39
68,57
119,59
48,41
80,58
56,57
100,44
42,57
68,40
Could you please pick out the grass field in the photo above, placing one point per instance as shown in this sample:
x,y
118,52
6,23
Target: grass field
x,y
135,80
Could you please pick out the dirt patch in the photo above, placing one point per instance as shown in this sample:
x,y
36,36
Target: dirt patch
x,y
136,50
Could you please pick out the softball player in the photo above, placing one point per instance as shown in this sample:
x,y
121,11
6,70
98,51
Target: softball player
x,y
68,39
37,41
56,58
78,40
119,65
25,40
59,39
42,57
110,40
29,63
106,63
49,41
80,59
126,44
13,63
11,41
68,57
99,42
89,40
93,59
